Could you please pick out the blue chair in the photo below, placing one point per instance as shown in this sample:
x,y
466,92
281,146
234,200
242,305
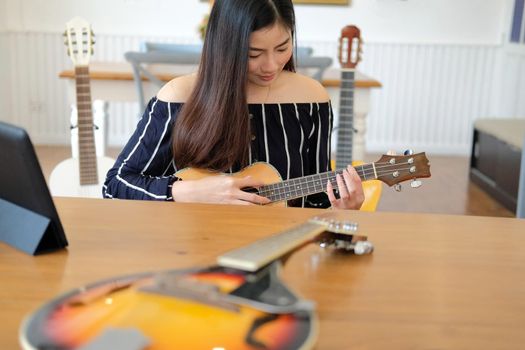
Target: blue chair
x,y
189,54
141,61
315,66
194,49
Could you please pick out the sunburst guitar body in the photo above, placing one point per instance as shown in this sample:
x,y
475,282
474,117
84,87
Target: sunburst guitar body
x,y
169,320
240,303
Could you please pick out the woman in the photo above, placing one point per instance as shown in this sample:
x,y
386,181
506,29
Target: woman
x,y
245,104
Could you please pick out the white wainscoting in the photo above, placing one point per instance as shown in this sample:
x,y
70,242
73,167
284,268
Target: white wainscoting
x,y
512,97
4,77
430,97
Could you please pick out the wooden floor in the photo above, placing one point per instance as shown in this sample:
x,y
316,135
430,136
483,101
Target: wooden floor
x,y
448,191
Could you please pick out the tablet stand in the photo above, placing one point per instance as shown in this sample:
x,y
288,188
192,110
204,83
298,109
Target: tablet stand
x,y
24,229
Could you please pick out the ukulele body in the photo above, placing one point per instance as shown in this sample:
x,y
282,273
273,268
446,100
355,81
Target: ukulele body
x,y
267,174
261,171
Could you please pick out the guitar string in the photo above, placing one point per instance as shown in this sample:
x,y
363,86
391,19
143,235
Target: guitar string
x,y
381,165
371,170
280,188
365,169
380,171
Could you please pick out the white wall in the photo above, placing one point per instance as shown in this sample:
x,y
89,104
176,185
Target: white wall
x,y
178,18
437,60
409,21
3,15
4,79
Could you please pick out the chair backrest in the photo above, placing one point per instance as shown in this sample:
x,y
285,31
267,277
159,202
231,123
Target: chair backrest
x,y
142,63
314,66
520,210
190,54
168,47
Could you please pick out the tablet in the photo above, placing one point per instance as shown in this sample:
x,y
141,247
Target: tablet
x,y
28,218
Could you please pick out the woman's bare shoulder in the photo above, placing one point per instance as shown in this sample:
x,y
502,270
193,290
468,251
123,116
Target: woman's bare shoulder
x,y
301,88
177,89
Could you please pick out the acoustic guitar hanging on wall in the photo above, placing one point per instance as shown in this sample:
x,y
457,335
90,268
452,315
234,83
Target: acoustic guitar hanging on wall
x,y
82,176
349,56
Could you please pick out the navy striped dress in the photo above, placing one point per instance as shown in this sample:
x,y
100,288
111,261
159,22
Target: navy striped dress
x,y
293,137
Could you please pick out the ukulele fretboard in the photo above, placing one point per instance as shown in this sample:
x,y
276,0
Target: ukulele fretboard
x,y
304,186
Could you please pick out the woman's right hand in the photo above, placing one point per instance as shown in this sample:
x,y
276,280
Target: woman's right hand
x,y
222,189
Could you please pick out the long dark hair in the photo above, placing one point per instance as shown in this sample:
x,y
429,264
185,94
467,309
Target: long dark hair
x,y
212,130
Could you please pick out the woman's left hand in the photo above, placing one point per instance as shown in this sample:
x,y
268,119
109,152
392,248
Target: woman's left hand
x,y
351,195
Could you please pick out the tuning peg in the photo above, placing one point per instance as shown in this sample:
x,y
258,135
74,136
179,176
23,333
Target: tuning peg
x,y
64,34
415,183
408,152
350,226
363,247
397,187
391,153
324,244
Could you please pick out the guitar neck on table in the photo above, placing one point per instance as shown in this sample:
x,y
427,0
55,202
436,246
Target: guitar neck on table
x,y
260,253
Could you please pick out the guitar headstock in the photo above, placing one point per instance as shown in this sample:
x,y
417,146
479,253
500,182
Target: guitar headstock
x,y
341,235
336,226
350,47
79,39
392,169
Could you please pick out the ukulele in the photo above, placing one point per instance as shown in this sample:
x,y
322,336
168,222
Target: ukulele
x,y
82,176
389,169
349,56
238,304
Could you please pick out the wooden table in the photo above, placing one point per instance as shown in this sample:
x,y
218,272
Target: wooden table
x,y
118,71
434,281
